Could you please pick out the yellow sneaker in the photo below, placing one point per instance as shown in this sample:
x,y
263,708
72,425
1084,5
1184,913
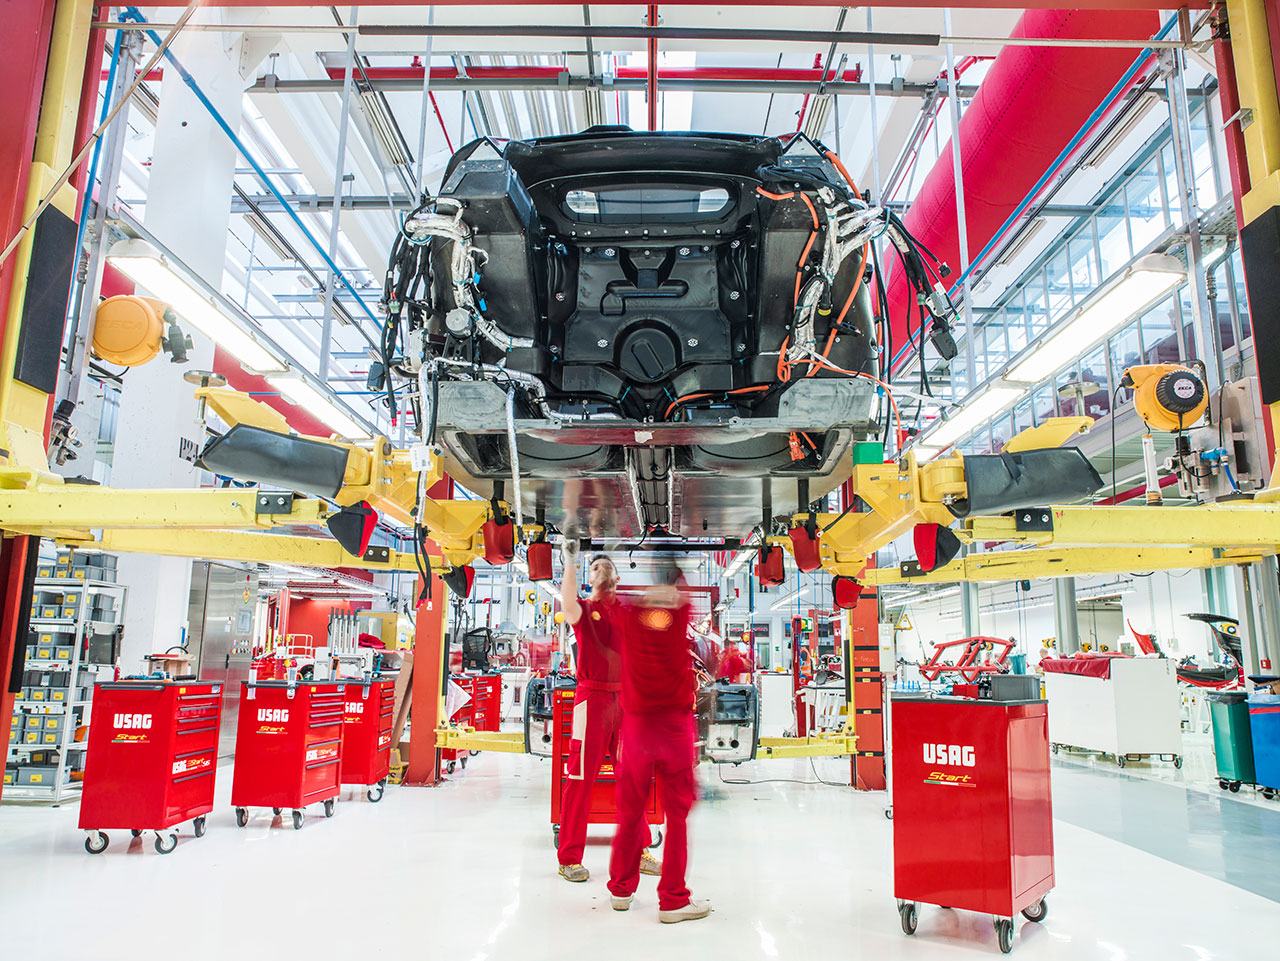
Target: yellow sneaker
x,y
650,865
574,872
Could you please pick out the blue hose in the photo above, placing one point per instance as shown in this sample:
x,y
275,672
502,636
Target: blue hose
x,y
133,14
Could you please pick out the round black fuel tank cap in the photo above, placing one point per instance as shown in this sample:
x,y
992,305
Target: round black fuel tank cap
x,y
648,355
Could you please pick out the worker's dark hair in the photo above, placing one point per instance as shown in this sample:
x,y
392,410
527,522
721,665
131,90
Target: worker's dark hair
x,y
601,557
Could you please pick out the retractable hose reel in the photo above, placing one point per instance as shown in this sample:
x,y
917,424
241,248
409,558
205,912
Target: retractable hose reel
x,y
1168,397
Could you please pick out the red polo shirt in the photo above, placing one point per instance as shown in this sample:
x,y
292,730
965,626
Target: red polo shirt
x,y
599,642
657,668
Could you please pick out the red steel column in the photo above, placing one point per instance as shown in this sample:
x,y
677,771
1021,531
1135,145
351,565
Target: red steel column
x,y
653,69
430,656
867,681
22,64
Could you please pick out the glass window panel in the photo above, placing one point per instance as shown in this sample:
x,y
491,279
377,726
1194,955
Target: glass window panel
x,y
1113,236
1146,207
1066,402
1226,330
1093,369
1016,332
1242,302
1084,269
1043,403
1159,340
1188,322
1034,308
997,352
1022,417
1202,160
1126,351
1058,277
1170,180
1001,432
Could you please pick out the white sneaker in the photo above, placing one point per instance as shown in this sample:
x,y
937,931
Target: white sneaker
x,y
621,904
690,912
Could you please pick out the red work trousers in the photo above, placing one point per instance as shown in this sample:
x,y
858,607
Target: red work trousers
x,y
596,719
661,744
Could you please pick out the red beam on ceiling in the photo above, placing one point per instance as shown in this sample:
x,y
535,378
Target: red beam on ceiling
x,y
780,74
918,4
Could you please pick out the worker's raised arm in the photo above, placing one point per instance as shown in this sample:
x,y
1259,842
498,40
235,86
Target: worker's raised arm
x,y
569,582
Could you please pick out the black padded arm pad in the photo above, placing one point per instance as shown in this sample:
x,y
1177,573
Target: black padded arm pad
x,y
1032,478
278,460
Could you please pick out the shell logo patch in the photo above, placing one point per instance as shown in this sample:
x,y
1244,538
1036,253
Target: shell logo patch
x,y
595,615
656,619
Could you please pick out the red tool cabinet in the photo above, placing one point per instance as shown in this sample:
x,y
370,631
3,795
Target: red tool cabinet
x,y
152,758
972,814
368,715
603,807
288,747
483,711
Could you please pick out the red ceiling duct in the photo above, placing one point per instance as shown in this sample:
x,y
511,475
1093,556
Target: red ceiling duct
x,y
1032,101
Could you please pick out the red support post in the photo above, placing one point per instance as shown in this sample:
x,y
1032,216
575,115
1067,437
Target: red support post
x,y
430,657
22,67
652,89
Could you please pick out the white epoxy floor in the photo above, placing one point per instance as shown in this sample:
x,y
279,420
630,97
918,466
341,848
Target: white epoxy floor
x,y
467,871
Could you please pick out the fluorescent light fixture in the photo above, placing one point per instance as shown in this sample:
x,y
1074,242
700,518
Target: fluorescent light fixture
x,y
971,414
1146,280
739,561
149,268
310,398
788,598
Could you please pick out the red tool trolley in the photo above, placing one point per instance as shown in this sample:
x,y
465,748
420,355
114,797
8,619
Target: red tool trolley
x,y
483,711
368,714
288,747
603,808
973,819
153,751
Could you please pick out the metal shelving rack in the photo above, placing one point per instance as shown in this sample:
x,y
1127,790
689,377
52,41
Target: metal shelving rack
x,y
75,710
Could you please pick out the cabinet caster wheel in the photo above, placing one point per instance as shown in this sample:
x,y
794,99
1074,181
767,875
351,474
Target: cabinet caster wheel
x,y
199,826
1268,793
96,843
1234,787
374,794
1120,761
907,913
242,816
473,754
1177,760
1222,785
329,805
555,834
136,833
163,846
1053,748
1004,934
297,820
1036,912
656,840
888,814
276,811
452,766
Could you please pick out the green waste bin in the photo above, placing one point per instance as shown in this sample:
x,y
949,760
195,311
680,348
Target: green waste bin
x,y
1232,740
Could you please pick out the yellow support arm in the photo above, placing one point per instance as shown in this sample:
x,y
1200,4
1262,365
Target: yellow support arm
x,y
469,739
252,546
1232,525
1063,562
88,507
832,744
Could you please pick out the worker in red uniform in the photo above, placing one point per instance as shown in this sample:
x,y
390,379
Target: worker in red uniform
x,y
597,715
735,666
657,739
